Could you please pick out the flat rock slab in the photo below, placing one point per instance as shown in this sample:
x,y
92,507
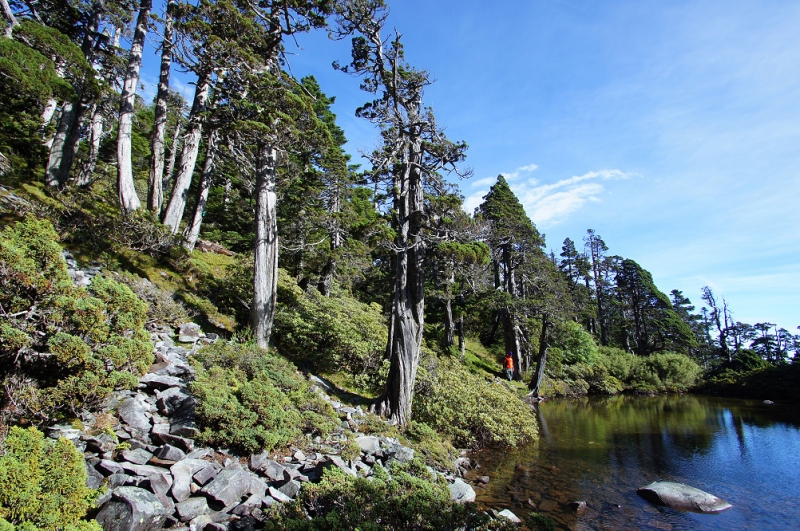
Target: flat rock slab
x,y
132,509
682,497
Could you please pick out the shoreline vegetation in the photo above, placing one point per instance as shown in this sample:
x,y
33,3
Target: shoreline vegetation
x,y
316,301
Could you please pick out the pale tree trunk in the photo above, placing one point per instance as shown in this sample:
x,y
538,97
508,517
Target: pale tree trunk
x,y
176,136
535,386
65,141
449,324
155,196
47,117
128,199
265,277
86,174
335,235
191,145
409,294
192,232
12,21
462,340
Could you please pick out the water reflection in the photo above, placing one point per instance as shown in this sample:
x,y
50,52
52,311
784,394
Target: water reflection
x,y
601,450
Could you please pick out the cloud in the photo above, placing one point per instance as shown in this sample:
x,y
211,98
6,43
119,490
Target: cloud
x,y
548,204
516,174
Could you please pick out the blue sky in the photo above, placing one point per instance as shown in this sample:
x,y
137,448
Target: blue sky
x,y
670,128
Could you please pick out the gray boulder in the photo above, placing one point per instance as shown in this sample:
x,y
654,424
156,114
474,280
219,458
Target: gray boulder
x,y
132,412
189,333
132,509
191,508
229,486
505,513
461,492
182,473
369,444
682,497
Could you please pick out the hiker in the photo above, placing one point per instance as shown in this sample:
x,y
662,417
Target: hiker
x,y
508,366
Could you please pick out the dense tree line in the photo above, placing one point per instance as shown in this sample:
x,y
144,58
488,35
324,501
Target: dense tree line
x,y
256,162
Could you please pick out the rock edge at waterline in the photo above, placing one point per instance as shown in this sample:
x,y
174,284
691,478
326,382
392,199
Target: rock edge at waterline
x,y
682,497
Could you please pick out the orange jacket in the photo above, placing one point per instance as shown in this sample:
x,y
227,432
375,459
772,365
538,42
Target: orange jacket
x,y
508,362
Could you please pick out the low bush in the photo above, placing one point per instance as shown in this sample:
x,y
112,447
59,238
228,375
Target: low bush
x,y
162,305
249,399
469,410
615,370
62,347
407,497
43,484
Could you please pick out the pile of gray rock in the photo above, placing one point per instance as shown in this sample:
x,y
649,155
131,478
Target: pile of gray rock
x,y
142,448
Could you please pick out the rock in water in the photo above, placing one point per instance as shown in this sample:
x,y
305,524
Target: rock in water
x,y
682,497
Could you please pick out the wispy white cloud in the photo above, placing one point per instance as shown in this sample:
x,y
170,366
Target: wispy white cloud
x,y
547,204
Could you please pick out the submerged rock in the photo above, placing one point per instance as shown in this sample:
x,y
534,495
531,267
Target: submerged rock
x,y
682,497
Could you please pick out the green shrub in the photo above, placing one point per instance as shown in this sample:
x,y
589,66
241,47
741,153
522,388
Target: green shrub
x,y
468,409
43,484
615,370
249,399
163,307
407,498
63,347
540,522
436,448
334,333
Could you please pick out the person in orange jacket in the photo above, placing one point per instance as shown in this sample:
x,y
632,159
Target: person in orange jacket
x,y
508,366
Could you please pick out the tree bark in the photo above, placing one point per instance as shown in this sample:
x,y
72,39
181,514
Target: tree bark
x,y
409,297
85,177
128,199
265,277
12,20
193,231
462,340
191,145
538,376
173,154
155,196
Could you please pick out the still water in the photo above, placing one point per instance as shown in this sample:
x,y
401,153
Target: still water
x,y
602,450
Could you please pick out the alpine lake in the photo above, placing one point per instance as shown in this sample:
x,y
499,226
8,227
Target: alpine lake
x,y
601,450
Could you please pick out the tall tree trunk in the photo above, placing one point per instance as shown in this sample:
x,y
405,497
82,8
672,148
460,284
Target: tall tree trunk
x,y
173,154
538,377
193,231
191,145
449,325
155,196
9,15
335,236
85,176
128,199
409,298
462,340
265,277
65,141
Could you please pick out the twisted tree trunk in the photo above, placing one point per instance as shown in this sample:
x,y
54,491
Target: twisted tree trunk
x,y
265,278
193,230
409,293
155,196
128,199
191,145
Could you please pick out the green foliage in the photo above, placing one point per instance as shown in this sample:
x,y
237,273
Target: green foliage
x,y
615,371
540,522
162,305
750,376
436,448
332,333
470,410
407,497
249,399
63,347
43,484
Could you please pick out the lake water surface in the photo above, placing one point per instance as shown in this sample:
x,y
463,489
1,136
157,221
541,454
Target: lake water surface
x,y
602,450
